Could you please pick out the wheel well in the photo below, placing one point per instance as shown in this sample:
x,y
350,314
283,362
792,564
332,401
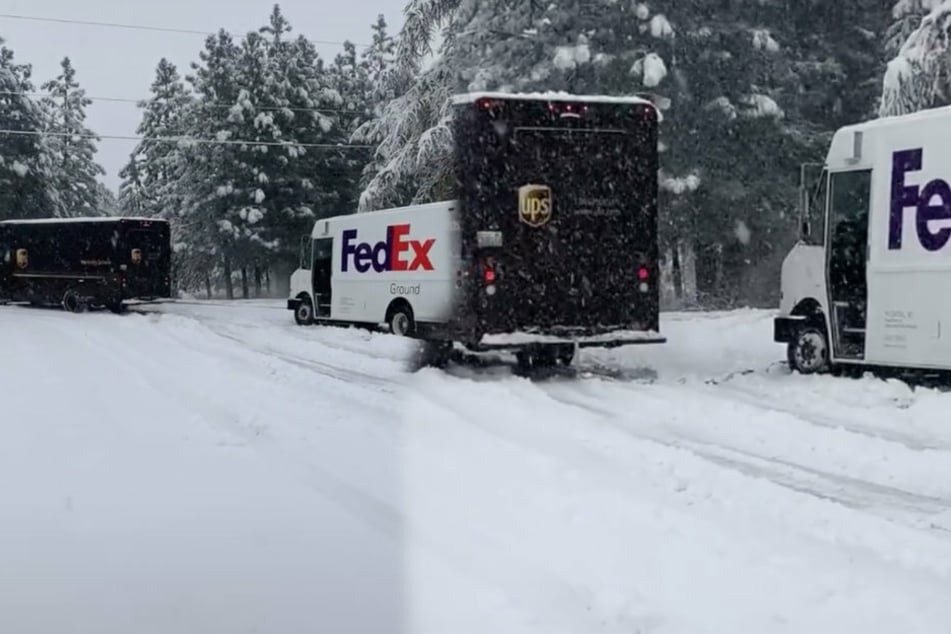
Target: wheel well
x,y
811,310
399,302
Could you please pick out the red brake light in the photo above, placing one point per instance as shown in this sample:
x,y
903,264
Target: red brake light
x,y
643,273
489,276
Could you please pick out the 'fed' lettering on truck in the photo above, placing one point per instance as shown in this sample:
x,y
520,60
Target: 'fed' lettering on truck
x,y
396,253
932,202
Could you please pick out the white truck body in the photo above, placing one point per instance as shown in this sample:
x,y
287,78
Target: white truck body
x,y
378,260
885,302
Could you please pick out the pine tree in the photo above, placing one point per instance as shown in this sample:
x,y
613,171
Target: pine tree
x,y
919,76
26,190
73,145
212,192
149,179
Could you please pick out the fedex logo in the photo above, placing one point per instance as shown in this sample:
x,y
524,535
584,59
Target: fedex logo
x,y
387,255
931,202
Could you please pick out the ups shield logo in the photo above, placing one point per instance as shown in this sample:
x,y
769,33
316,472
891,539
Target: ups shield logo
x,y
534,204
136,256
22,258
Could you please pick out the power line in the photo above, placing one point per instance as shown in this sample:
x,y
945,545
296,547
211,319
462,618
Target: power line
x,y
187,139
212,105
140,27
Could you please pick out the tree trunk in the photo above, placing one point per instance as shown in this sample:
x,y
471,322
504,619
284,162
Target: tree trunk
x,y
267,280
229,285
257,281
244,282
208,285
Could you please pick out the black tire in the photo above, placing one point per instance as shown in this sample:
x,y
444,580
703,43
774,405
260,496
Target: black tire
x,y
400,320
73,302
808,352
304,312
116,307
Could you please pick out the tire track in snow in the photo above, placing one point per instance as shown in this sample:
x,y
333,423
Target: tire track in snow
x,y
819,419
848,490
328,370
608,467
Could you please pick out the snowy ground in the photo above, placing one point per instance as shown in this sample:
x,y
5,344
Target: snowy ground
x,y
213,468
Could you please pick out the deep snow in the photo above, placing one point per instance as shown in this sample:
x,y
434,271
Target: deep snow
x,y
211,467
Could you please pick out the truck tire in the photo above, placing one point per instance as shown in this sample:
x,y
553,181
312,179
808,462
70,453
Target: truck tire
x,y
304,313
73,302
400,319
808,352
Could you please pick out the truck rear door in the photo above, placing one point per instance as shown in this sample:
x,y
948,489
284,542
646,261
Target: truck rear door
x,y
575,203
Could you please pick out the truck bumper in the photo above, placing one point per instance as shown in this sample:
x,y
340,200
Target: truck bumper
x,y
785,328
293,303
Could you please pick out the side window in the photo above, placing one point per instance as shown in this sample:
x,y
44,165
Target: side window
x,y
850,196
323,249
305,253
849,201
816,217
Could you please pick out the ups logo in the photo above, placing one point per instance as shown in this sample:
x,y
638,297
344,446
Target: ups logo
x,y
534,204
136,256
22,258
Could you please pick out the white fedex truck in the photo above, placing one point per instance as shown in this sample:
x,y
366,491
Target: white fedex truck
x,y
395,267
868,283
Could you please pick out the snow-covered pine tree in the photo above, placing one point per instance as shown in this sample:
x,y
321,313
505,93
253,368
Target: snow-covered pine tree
x,y
919,76
26,189
906,17
377,63
211,190
417,104
72,145
149,180
290,99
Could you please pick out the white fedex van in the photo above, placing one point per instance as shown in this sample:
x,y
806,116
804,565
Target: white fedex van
x,y
394,266
868,283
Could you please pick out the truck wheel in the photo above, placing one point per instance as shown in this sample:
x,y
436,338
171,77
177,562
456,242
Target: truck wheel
x,y
808,353
304,313
73,302
400,320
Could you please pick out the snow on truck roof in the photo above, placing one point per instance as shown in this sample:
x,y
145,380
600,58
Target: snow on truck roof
x,y
471,97
43,221
848,139
920,116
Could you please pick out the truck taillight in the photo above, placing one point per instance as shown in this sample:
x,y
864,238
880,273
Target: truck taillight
x,y
489,275
643,274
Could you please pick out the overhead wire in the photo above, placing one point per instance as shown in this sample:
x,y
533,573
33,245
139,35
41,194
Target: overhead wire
x,y
142,27
203,103
179,139
187,139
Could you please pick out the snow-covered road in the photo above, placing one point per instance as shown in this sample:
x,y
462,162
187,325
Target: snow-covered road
x,y
211,467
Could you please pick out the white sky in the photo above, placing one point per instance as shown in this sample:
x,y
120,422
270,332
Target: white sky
x,y
112,62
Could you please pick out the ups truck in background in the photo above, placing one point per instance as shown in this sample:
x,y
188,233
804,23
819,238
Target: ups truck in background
x,y
551,243
84,262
